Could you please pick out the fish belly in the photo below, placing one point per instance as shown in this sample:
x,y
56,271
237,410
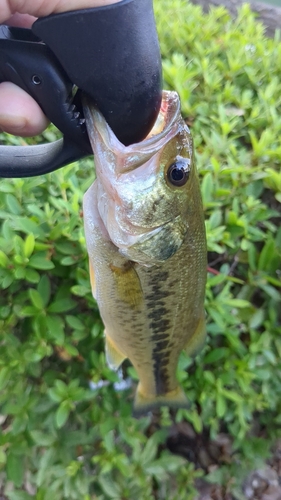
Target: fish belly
x,y
150,313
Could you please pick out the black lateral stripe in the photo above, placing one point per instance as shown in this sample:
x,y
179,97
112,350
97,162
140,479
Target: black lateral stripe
x,y
161,373
159,325
161,345
159,336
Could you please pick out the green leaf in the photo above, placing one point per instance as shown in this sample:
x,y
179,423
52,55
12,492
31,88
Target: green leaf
x,y
149,452
62,414
15,468
3,458
7,281
45,464
75,323
19,495
61,305
29,311
19,423
166,464
4,376
28,226
19,259
36,299
265,258
110,488
271,292
13,204
42,439
31,275
257,319
61,386
40,261
220,406
233,396
44,289
270,356
237,303
3,259
68,261
6,187
68,248
55,326
29,245
71,350
216,354
207,188
80,290
54,395
7,231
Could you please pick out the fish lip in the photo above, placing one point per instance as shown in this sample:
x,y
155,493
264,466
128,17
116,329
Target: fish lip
x,y
135,154
172,109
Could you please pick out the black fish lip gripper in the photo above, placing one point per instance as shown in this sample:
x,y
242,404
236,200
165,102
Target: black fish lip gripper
x,y
110,53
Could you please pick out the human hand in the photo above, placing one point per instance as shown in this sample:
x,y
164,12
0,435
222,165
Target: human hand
x,y
19,113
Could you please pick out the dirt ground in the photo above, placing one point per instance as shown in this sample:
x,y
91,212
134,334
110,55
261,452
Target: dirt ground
x,y
260,484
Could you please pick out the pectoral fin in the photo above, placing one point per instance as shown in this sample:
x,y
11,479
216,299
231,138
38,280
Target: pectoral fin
x,y
114,357
128,284
195,344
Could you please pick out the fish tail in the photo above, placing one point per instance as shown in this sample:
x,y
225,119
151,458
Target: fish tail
x,y
174,399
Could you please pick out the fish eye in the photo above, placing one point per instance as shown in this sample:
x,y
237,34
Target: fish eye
x,y
178,172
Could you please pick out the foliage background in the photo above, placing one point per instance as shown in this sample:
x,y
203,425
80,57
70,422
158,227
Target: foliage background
x,y
59,438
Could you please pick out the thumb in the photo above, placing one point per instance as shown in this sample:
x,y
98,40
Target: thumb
x,y
19,113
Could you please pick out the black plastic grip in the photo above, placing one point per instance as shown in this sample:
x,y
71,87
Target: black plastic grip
x,y
33,67
111,53
28,161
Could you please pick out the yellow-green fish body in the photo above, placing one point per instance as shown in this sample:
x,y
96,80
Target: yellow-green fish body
x,y
145,236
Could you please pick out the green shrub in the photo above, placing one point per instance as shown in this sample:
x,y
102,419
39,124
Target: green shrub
x,y
60,439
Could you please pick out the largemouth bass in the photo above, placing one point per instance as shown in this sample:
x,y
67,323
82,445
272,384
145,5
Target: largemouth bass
x,y
146,242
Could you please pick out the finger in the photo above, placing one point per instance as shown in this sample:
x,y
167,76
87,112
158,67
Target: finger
x,y
41,8
21,20
19,113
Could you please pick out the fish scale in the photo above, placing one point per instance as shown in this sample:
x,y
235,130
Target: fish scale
x,y
148,267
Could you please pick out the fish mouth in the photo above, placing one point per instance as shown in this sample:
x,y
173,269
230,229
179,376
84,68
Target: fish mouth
x,y
128,158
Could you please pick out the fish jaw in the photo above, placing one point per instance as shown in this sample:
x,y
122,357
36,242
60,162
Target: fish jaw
x,y
119,158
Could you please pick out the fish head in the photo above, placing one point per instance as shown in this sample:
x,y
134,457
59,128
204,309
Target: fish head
x,y
145,190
